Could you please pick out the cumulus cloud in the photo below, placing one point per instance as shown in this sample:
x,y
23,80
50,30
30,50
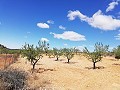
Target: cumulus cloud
x,y
117,37
65,44
81,47
44,39
43,25
112,6
69,35
98,20
62,27
50,22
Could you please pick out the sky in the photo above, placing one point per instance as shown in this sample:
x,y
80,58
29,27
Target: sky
x,y
62,23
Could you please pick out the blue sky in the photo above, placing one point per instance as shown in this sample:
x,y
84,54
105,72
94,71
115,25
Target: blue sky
x,y
63,23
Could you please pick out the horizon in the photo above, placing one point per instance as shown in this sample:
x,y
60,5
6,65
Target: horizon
x,y
61,23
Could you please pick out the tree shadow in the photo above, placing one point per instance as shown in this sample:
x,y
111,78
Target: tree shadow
x,y
41,70
70,62
116,64
113,59
59,60
39,64
98,67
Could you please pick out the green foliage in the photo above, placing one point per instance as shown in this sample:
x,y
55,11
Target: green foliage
x,y
97,54
44,46
32,53
57,53
69,53
76,51
5,50
50,53
117,52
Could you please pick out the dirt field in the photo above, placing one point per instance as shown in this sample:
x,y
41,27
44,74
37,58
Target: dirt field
x,y
59,75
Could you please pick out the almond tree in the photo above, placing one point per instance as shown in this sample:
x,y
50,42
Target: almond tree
x,y
44,46
50,53
57,53
76,51
31,53
69,53
97,54
117,52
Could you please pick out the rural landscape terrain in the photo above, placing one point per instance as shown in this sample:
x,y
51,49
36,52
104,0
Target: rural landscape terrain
x,y
59,45
40,68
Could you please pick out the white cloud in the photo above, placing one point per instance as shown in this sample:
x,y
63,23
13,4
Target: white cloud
x,y
28,32
98,20
69,35
44,39
50,22
43,25
117,37
81,47
65,44
62,27
112,5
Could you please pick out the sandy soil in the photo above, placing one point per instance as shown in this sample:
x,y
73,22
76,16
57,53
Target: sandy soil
x,y
59,75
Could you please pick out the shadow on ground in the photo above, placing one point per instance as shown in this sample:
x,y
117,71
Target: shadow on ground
x,y
98,67
41,70
70,62
116,64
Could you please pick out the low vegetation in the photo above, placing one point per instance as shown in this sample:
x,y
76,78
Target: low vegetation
x,y
13,79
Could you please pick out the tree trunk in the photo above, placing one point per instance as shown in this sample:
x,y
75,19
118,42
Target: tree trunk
x,y
68,60
57,58
94,65
34,65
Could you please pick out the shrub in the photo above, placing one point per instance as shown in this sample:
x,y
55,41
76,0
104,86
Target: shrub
x,y
12,79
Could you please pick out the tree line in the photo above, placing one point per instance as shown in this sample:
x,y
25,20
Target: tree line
x,y
35,53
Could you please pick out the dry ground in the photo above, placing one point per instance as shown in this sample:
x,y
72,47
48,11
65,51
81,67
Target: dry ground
x,y
59,75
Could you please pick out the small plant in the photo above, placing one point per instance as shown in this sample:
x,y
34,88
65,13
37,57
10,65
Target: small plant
x,y
97,54
69,53
13,79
